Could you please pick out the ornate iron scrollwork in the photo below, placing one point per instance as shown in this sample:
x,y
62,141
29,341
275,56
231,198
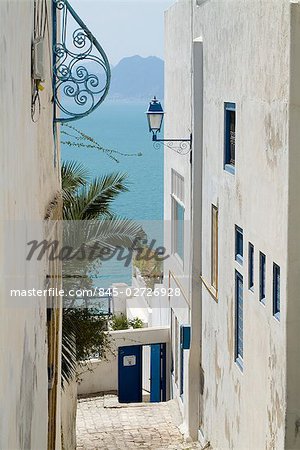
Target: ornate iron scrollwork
x,y
183,147
81,71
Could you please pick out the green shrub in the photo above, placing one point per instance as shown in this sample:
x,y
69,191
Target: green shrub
x,y
120,322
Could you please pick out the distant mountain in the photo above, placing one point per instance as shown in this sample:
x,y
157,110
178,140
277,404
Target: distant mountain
x,y
137,78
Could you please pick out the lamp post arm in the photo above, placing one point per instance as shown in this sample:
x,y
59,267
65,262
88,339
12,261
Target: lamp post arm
x,y
190,140
183,148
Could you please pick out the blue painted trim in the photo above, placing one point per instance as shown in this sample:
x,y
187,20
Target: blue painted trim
x,y
155,373
186,337
54,37
130,383
251,267
276,291
158,373
239,257
164,372
228,107
76,82
239,327
262,278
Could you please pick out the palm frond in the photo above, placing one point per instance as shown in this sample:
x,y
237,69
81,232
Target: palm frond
x,y
89,222
73,175
68,350
94,200
98,234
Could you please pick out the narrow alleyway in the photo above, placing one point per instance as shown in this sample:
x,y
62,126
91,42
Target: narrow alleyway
x,y
103,423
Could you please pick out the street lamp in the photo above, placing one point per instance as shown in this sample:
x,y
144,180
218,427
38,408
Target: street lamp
x,y
155,116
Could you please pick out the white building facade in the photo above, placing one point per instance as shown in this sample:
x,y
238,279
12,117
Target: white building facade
x,y
30,339
232,219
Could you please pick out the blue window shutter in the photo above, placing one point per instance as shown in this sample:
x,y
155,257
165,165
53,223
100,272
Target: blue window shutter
x,y
276,290
239,251
239,320
251,267
229,136
262,277
185,337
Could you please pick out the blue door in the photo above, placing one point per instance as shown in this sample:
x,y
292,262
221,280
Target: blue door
x,y
158,373
130,374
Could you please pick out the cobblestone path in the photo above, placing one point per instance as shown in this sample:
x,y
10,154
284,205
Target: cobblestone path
x,y
103,423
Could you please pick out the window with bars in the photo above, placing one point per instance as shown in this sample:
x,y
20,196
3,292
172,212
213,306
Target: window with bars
x,y
276,291
251,267
229,138
262,278
239,251
214,247
239,320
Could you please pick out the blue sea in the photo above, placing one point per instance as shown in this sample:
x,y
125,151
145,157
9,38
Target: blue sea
x,y
123,127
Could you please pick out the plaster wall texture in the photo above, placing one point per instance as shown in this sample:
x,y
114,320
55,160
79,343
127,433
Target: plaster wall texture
x,y
29,180
68,416
251,58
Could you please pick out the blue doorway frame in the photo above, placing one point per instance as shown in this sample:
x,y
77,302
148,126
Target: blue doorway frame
x,y
130,373
158,373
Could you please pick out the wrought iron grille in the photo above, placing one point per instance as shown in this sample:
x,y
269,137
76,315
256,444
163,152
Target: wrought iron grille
x,y
81,71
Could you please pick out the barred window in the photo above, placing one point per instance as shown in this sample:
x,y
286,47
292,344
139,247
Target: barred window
x,y
229,144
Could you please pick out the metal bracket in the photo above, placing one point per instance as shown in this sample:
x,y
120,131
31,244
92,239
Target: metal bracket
x,y
81,71
181,146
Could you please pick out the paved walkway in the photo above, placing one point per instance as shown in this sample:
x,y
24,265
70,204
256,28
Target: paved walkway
x,y
103,423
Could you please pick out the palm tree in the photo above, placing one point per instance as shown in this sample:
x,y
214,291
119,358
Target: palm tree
x,y
88,221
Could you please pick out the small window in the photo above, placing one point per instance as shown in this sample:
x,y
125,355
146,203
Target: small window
x,y
262,278
251,267
214,247
177,214
239,320
229,138
178,229
276,291
239,254
177,185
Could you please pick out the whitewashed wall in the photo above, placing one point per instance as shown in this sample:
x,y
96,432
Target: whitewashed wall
x,y
178,125
245,60
250,57
28,181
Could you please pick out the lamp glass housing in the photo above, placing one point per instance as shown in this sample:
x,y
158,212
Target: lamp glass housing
x,y
155,115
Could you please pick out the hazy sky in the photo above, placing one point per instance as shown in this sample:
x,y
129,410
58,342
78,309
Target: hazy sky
x,y
125,27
